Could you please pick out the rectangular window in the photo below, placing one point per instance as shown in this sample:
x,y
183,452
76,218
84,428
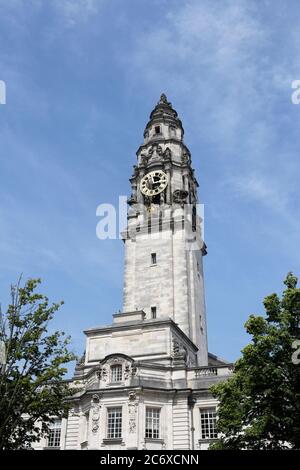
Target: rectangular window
x,y
114,423
152,423
208,418
157,130
153,312
116,373
153,258
54,434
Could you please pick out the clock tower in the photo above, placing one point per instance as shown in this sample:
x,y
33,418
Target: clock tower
x,y
144,380
164,248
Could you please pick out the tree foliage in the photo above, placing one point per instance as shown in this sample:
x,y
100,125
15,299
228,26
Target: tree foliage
x,y
260,404
32,388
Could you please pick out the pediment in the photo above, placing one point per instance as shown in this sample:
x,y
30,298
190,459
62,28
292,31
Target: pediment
x,y
127,369
116,358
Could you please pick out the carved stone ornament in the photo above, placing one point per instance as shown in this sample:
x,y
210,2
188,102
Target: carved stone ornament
x,y
144,159
185,158
95,411
176,347
155,153
132,199
132,411
135,171
103,374
167,154
129,371
179,351
179,196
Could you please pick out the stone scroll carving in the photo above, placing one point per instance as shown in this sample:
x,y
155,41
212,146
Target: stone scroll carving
x,y
178,349
180,354
129,371
95,411
132,411
103,374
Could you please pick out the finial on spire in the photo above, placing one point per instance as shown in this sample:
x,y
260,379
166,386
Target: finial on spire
x,y
163,100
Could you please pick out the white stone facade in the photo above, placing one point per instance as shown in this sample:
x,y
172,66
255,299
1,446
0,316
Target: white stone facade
x,y
177,391
144,380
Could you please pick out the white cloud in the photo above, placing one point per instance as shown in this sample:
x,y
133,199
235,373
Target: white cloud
x,y
68,14
214,58
219,63
201,36
77,11
261,189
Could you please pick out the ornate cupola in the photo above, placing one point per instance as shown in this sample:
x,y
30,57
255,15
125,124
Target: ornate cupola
x,y
163,174
164,122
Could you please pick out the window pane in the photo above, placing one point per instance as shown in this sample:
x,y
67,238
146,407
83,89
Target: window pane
x,y
114,423
116,373
54,434
208,423
152,423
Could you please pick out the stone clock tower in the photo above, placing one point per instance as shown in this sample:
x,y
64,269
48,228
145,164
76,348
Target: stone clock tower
x,y
144,380
163,245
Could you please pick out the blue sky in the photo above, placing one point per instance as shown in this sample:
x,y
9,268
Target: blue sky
x,y
82,77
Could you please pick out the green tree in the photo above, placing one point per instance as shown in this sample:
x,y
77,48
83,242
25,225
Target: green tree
x,y
259,406
32,388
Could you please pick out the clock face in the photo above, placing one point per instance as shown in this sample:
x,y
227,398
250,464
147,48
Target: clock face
x,y
154,183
